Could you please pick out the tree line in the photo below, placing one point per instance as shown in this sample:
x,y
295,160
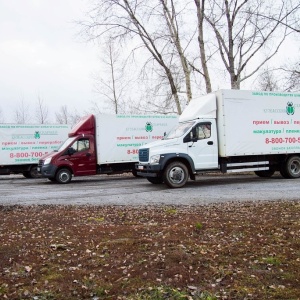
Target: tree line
x,y
40,114
174,51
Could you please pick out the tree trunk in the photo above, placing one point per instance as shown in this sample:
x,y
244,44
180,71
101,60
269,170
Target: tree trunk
x,y
200,15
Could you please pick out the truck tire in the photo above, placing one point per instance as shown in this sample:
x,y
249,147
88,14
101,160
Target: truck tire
x,y
291,167
264,173
63,176
155,180
32,173
26,174
175,174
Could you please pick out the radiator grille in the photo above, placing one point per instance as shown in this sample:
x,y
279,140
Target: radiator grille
x,y
144,155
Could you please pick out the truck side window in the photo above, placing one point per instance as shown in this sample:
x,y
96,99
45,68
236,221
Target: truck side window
x,y
203,131
81,145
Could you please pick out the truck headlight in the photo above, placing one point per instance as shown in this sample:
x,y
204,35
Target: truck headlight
x,y
47,161
155,159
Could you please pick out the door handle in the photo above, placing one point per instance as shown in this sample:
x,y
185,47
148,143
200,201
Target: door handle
x,y
88,154
210,143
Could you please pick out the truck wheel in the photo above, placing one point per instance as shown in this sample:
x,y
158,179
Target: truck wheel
x,y
34,172
63,176
291,168
155,180
264,173
26,174
175,175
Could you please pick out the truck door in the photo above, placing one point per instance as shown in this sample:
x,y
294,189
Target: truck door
x,y
82,156
202,146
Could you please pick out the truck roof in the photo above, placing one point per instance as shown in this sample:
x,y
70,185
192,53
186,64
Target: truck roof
x,y
86,125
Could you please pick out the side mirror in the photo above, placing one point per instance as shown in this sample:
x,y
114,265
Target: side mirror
x,y
190,138
71,151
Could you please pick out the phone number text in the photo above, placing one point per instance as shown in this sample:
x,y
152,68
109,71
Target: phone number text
x,y
290,140
27,154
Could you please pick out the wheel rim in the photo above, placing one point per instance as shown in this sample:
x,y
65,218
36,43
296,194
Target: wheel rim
x,y
34,173
64,177
295,167
176,175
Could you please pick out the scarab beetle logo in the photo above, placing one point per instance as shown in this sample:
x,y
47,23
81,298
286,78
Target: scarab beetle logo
x,y
290,109
149,127
37,135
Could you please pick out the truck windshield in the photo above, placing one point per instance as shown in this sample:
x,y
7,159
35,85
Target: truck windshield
x,y
66,143
179,130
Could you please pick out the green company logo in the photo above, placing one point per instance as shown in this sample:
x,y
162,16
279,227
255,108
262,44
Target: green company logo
x,y
149,127
37,135
290,109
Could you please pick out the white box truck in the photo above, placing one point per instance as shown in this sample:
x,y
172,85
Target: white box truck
x,y
22,145
104,144
228,131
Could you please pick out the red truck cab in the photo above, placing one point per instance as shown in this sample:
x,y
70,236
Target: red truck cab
x,y
76,156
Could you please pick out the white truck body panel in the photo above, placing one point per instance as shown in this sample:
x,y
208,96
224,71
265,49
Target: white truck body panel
x,y
200,108
25,143
255,123
119,137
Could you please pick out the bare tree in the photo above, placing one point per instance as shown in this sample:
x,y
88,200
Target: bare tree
x,y
267,81
248,33
63,116
41,111
22,115
113,84
201,17
235,40
128,19
291,76
170,16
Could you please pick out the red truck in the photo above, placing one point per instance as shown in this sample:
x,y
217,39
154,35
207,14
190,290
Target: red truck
x,y
104,144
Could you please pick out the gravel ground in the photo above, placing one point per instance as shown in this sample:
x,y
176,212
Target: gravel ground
x,y
128,190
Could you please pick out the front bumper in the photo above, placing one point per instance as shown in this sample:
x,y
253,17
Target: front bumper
x,y
47,171
147,170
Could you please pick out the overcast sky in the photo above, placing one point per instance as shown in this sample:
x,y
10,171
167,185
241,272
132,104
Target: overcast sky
x,y
42,55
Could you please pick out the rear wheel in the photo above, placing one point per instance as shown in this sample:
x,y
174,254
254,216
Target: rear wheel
x,y
175,175
63,176
32,173
155,180
291,168
26,174
265,173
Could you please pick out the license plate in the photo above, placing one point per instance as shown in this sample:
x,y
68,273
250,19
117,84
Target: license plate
x,y
39,169
141,167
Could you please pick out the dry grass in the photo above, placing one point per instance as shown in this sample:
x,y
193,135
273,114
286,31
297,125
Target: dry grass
x,y
224,251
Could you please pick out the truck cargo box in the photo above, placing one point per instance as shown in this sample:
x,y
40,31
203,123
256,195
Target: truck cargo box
x,y
256,123
118,137
26,143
